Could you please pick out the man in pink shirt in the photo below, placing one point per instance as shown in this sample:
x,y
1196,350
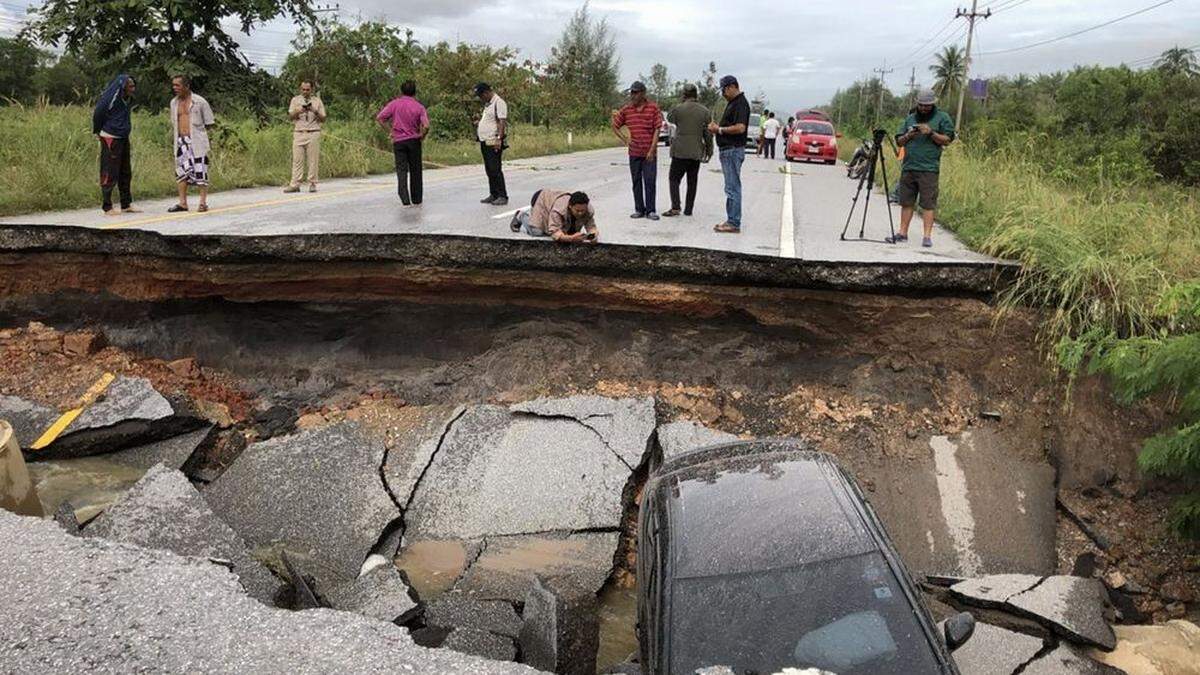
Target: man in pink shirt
x,y
408,122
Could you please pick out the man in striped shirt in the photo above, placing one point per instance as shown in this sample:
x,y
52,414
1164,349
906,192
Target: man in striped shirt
x,y
642,119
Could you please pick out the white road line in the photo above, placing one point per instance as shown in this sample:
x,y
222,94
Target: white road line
x,y
956,506
506,214
787,221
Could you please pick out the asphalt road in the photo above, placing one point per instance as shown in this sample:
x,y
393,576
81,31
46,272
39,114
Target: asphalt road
x,y
790,209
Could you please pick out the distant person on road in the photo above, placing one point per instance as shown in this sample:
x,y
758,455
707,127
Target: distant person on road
x,y
408,123
112,126
692,145
191,116
493,139
307,112
760,142
566,217
921,136
731,141
771,129
641,118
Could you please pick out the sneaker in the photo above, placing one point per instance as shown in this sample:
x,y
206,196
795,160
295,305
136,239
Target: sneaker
x,y
671,214
487,200
291,188
652,216
896,239
500,201
727,227
637,214
927,242
515,225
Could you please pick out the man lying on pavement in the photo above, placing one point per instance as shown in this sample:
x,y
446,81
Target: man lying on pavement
x,y
566,217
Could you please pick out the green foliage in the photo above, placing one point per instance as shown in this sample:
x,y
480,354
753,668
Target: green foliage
x,y
580,79
19,59
947,72
364,63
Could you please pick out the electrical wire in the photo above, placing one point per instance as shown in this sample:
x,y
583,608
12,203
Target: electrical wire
x,y
1011,5
1080,32
928,40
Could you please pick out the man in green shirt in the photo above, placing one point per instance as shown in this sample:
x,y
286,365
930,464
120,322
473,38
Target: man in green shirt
x,y
923,134
691,146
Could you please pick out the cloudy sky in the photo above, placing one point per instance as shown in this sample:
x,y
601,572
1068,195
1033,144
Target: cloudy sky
x,y
797,53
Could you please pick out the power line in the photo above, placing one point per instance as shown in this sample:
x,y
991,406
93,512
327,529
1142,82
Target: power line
x,y
1151,59
931,38
1010,5
1080,32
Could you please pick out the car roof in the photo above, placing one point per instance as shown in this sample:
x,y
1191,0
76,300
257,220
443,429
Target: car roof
x,y
755,506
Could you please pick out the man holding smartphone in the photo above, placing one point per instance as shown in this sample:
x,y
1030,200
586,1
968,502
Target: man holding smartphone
x,y
307,112
566,217
922,135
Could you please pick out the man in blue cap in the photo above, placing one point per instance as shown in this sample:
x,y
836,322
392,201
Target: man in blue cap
x,y
111,124
731,140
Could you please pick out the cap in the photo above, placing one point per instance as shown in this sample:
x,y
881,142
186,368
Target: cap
x,y
728,81
482,87
690,91
926,97
637,86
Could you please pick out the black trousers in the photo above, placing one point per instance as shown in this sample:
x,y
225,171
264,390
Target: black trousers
x,y
495,173
769,148
115,171
409,183
679,169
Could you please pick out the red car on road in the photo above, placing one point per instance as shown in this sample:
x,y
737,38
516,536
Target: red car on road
x,y
812,139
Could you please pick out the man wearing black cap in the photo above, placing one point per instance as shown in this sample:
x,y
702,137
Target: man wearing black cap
x,y
731,140
642,118
492,131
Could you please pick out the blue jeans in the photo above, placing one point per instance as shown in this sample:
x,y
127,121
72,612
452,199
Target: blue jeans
x,y
731,166
644,173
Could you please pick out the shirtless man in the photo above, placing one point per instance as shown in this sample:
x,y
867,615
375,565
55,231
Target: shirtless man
x,y
191,116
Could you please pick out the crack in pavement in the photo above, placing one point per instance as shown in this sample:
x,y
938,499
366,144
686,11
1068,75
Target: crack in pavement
x,y
1047,647
582,421
483,544
412,493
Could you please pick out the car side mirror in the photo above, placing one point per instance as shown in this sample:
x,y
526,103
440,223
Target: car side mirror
x,y
958,629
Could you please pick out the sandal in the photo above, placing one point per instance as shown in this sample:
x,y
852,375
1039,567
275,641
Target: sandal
x,y
178,208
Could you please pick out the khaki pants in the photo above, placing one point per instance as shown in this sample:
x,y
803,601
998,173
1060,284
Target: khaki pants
x,y
306,149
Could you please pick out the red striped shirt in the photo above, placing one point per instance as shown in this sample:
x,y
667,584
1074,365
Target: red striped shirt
x,y
643,124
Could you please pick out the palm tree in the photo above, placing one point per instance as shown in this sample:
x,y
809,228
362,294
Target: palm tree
x,y
948,71
1178,61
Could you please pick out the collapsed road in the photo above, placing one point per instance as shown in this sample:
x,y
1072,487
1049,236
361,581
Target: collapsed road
x,y
425,452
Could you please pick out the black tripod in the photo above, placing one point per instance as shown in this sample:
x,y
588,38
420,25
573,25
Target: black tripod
x,y
868,178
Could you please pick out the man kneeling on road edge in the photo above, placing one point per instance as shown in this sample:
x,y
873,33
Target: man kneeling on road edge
x,y
922,135
566,217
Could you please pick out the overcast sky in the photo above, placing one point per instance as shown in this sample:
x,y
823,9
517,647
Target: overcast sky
x,y
797,53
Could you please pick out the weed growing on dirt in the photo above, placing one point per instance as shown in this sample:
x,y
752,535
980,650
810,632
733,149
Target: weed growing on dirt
x,y
49,158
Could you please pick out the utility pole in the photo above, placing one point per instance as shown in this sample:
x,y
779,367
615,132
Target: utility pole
x,y
879,106
321,9
962,88
912,88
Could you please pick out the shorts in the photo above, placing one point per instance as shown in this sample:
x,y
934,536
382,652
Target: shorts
x,y
918,183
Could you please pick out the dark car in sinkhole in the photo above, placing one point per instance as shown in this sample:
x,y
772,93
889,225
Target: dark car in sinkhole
x,y
763,555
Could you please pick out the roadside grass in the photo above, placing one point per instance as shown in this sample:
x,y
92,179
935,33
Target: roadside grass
x,y
49,158
1115,263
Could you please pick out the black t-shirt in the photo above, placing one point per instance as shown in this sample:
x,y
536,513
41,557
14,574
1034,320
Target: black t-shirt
x,y
736,112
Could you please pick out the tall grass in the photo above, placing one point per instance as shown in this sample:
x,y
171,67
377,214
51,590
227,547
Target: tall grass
x,y
49,158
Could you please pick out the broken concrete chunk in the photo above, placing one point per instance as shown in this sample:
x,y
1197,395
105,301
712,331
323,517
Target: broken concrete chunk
x,y
412,440
380,594
995,651
1066,659
625,424
678,438
317,493
1071,606
993,590
104,606
129,413
64,515
500,473
508,566
28,419
481,643
163,511
561,630
456,610
171,452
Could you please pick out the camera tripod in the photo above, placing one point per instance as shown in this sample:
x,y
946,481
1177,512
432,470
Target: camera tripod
x,y
875,157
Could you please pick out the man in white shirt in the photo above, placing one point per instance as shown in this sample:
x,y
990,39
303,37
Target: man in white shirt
x,y
191,116
770,132
493,132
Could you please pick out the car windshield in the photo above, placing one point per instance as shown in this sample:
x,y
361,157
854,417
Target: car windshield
x,y
822,128
846,616
755,119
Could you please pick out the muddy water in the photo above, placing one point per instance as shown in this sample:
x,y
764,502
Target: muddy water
x,y
618,622
90,484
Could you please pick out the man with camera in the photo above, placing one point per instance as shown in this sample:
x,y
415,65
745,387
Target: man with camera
x,y
566,217
922,135
307,112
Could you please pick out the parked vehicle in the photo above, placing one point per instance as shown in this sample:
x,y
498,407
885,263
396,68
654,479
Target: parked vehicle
x,y
812,140
753,130
857,166
666,133
763,555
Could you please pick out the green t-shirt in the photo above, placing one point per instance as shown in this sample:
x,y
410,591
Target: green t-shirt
x,y
921,153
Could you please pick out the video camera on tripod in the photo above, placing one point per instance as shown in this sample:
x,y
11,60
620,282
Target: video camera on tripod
x,y
874,158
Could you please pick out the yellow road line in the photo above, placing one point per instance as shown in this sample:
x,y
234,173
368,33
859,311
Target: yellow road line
x,y
89,397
